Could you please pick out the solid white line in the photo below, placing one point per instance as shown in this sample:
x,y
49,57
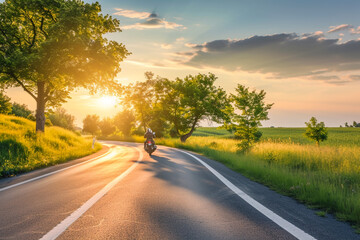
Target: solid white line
x,y
51,173
292,229
61,227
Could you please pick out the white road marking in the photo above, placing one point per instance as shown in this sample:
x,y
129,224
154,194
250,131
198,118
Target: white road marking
x,y
292,229
51,173
61,227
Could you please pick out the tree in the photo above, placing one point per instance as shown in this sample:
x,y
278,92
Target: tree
x,y
187,101
91,124
22,110
140,97
355,124
252,110
5,105
107,126
125,121
49,48
62,119
316,131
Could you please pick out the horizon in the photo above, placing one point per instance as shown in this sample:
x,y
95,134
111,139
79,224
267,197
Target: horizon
x,y
305,55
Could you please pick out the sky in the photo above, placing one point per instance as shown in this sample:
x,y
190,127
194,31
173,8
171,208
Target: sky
x,y
304,54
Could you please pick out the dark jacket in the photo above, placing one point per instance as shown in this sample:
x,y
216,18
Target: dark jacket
x,y
149,135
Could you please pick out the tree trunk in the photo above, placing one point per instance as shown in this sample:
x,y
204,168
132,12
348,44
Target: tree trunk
x,y
186,136
40,108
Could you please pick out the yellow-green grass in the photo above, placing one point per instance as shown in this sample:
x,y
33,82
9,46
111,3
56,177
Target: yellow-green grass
x,y
22,150
336,137
326,177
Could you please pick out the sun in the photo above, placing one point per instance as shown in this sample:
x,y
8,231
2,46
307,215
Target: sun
x,y
107,101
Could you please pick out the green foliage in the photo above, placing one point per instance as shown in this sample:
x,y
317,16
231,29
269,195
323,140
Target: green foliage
x,y
22,149
48,123
125,121
5,105
185,102
140,97
22,110
316,131
49,48
91,124
106,126
355,124
252,109
62,119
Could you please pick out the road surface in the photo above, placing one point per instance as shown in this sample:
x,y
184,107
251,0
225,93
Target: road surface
x,y
125,194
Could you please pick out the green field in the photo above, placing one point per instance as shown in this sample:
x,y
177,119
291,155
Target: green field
x,y
22,150
325,177
337,136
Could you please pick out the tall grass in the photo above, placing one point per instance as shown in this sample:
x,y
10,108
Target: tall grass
x,y
22,150
326,177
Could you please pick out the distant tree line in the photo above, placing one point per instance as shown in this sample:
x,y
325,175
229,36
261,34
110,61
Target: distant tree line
x,y
123,123
355,124
175,108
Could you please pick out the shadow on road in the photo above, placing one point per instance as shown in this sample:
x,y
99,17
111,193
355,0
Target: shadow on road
x,y
201,207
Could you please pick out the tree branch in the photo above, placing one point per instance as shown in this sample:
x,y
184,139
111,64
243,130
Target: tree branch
x,y
22,85
49,13
34,32
41,27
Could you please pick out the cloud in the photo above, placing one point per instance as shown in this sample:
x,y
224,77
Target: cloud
x,y
152,21
131,13
355,77
355,31
166,46
339,28
180,39
280,55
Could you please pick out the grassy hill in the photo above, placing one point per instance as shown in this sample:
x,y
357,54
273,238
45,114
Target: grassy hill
x,y
22,150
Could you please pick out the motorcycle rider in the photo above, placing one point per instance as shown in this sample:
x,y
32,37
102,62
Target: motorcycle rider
x,y
149,135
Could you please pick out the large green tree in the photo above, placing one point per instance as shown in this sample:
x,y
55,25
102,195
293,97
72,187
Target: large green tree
x,y
141,98
186,102
51,47
246,114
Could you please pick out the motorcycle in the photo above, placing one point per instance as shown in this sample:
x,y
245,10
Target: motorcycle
x,y
149,147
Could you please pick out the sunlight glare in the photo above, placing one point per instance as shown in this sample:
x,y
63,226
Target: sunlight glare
x,y
106,101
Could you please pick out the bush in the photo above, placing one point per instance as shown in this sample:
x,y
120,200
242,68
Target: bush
x,y
12,153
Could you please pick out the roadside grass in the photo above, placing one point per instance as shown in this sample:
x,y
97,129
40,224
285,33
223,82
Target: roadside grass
x,y
327,177
23,150
321,213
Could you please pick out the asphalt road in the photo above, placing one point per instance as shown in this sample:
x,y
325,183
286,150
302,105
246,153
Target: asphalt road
x,y
171,195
